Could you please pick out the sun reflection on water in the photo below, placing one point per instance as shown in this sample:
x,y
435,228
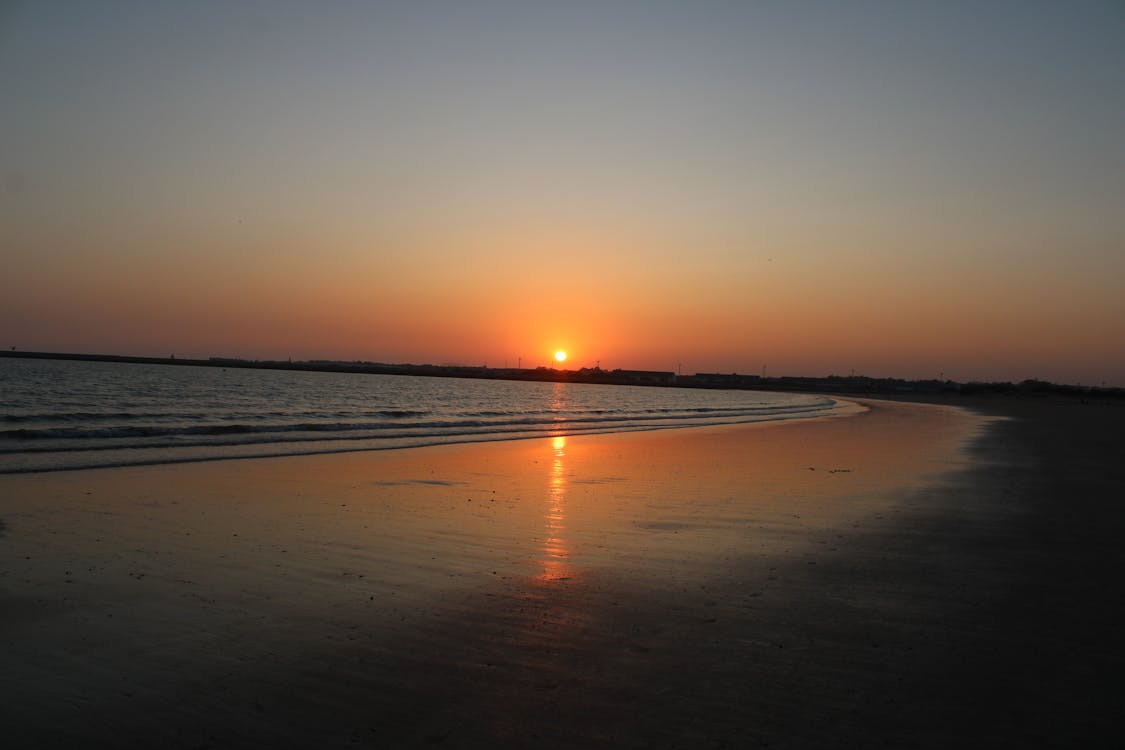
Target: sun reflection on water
x,y
556,554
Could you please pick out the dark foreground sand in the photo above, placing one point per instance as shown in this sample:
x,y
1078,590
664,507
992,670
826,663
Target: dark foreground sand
x,y
915,576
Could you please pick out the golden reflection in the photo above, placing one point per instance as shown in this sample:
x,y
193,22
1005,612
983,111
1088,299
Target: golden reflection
x,y
558,398
556,555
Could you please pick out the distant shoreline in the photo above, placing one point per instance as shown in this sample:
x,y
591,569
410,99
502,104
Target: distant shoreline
x,y
851,385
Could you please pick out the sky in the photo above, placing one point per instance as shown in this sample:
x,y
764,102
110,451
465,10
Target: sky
x,y
895,189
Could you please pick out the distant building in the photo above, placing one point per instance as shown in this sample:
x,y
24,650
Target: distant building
x,y
644,376
722,380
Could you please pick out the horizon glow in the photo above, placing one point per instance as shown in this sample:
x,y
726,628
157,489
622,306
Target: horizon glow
x,y
809,189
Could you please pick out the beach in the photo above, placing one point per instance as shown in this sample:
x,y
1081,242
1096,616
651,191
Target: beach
x,y
918,575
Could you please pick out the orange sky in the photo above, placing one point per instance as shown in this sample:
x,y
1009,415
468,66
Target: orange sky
x,y
803,189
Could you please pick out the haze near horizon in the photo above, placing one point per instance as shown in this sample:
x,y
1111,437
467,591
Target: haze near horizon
x,y
902,190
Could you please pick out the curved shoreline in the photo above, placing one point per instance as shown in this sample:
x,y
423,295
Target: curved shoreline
x,y
236,450
904,577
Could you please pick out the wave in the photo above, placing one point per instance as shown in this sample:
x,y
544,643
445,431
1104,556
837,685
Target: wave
x,y
149,453
21,435
63,414
165,417
126,416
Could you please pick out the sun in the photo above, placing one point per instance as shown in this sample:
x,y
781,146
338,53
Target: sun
x,y
560,356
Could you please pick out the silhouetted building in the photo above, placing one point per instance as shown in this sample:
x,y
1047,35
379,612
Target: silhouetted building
x,y
644,376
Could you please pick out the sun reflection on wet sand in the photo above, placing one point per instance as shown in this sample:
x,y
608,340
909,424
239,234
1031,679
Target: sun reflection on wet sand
x,y
556,555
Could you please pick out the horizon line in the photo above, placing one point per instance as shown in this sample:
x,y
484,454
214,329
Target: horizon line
x,y
668,377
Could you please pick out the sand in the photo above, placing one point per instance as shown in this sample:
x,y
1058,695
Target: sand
x,y
915,576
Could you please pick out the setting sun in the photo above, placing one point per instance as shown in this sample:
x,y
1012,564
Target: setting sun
x,y
560,356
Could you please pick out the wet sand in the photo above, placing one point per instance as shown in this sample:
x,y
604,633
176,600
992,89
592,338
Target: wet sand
x,y
915,576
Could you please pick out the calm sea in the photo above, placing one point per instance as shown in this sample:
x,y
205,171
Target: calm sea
x,y
57,415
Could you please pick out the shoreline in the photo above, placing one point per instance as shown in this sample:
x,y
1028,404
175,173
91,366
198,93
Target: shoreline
x,y
828,582
841,408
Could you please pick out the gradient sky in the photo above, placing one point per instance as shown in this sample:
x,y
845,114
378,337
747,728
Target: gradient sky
x,y
895,188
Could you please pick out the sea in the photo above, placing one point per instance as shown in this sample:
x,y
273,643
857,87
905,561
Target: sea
x,y
60,414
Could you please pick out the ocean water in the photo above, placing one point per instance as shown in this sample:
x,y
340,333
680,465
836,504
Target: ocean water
x,y
57,415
